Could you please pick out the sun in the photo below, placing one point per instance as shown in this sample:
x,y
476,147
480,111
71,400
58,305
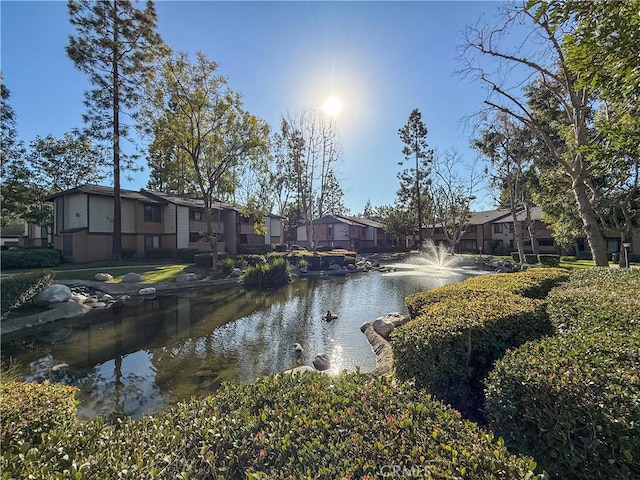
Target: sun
x,y
332,107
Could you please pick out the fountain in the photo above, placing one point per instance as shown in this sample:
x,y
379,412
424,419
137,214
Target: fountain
x,y
436,256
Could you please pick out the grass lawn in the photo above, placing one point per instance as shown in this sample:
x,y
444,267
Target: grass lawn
x,y
150,273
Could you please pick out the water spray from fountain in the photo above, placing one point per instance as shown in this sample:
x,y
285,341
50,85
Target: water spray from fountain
x,y
436,256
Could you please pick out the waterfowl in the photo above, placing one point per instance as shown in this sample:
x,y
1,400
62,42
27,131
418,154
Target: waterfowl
x,y
329,316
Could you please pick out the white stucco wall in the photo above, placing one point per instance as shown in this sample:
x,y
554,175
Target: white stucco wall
x,y
75,211
182,227
101,211
340,231
170,218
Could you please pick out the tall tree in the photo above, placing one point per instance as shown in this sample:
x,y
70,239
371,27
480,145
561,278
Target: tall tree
x,y
15,175
508,146
115,45
194,113
62,163
452,195
555,81
311,141
416,149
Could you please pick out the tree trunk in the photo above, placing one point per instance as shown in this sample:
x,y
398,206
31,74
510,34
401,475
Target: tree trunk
x,y
592,230
116,250
418,203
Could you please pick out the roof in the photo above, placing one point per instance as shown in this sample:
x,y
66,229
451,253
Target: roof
x,y
536,214
357,221
488,216
107,192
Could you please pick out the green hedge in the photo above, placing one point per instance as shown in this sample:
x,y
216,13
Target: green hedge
x,y
273,274
532,283
158,253
30,258
572,401
597,299
19,289
308,426
31,410
450,348
186,254
205,260
549,260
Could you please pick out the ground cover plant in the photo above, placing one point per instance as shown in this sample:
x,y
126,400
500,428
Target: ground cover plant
x,y
19,289
451,346
597,299
572,399
572,402
282,427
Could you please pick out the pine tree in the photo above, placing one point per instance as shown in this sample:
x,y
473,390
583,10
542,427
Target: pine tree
x,y
115,45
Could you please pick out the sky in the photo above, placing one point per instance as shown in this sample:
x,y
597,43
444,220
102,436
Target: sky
x,y
381,59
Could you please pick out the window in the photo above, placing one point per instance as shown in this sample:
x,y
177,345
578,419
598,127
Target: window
x,y
511,228
330,231
195,237
468,246
545,242
497,228
151,241
152,213
471,229
511,244
438,230
195,215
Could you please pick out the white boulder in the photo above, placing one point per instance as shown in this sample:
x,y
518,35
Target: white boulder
x,y
102,277
131,277
53,294
147,291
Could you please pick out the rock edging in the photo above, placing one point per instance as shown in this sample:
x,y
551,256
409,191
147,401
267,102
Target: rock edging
x,y
377,333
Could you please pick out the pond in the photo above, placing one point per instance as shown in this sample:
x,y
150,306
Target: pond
x,y
137,358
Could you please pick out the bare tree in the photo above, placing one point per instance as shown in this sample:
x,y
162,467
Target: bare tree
x,y
452,195
546,65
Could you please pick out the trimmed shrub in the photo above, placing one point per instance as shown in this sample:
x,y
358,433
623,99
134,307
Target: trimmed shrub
x,y
532,283
203,260
186,254
127,253
530,258
572,402
269,275
30,258
450,348
515,256
19,289
283,427
258,249
597,299
158,253
31,410
252,260
549,260
226,265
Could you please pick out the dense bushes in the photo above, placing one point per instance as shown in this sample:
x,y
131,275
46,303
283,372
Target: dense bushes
x,y
451,346
30,410
272,274
30,258
549,260
572,402
285,427
597,299
186,254
19,289
158,253
533,283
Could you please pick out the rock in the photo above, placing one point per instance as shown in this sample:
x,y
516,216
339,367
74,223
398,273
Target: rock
x,y
124,298
383,326
322,362
60,367
335,266
53,294
186,278
77,297
299,370
102,277
90,300
147,291
351,266
107,298
98,305
131,277
235,273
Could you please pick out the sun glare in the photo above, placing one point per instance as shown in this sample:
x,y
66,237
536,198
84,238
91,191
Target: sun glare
x,y
332,106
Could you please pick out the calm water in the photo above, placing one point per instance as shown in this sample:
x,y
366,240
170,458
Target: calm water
x,y
137,358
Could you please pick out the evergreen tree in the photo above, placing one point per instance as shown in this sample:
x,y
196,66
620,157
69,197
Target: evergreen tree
x,y
413,181
114,44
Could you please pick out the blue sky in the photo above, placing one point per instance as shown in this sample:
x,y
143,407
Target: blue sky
x,y
382,59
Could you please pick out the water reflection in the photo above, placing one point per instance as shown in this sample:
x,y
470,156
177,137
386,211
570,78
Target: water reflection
x,y
139,357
